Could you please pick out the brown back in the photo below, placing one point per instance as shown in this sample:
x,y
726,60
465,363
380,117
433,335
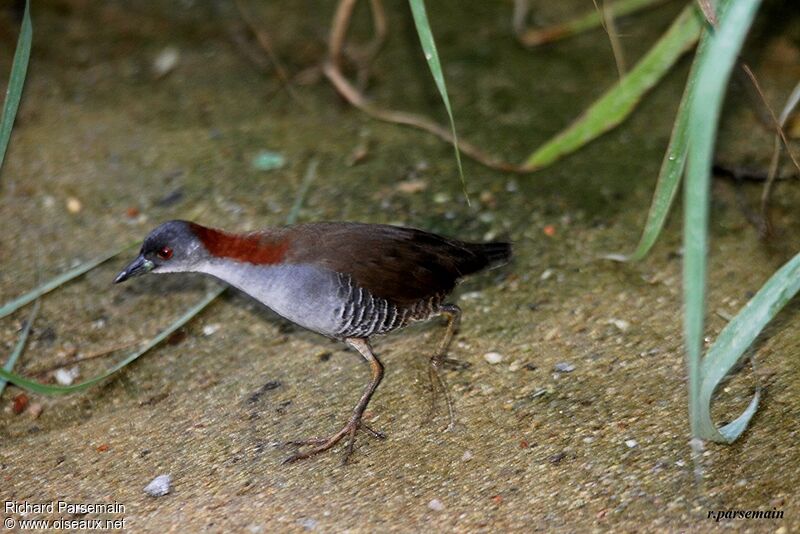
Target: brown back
x,y
402,265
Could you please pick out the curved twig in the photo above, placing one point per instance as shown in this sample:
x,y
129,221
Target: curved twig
x,y
357,99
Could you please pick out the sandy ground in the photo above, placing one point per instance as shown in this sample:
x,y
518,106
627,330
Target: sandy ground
x,y
580,427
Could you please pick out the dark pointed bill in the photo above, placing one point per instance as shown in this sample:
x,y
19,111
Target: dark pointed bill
x,y
137,267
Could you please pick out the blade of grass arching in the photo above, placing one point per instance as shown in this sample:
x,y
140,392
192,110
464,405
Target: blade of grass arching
x,y
590,20
20,346
432,57
669,180
12,306
618,102
736,338
47,389
734,19
672,166
19,69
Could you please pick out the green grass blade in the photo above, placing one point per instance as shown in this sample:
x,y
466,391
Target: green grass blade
x,y
735,18
16,81
12,306
311,174
672,166
618,102
590,20
20,346
47,389
738,335
432,57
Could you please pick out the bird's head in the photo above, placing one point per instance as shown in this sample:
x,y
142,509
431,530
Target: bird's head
x,y
172,247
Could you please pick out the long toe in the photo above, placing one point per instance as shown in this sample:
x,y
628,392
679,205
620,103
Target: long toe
x,y
319,445
305,442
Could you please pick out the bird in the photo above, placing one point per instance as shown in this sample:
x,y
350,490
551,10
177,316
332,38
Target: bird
x,y
347,281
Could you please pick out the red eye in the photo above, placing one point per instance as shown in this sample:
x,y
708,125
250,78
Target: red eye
x,y
165,253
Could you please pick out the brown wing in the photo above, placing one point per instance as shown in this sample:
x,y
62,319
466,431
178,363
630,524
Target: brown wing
x,y
400,264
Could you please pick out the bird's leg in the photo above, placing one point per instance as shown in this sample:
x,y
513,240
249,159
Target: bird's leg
x,y
354,423
453,315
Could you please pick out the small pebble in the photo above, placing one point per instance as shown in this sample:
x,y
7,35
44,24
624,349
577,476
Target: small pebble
x,y
35,410
103,447
621,324
166,61
564,367
177,337
467,456
436,505
66,377
493,357
631,443
487,197
159,486
441,198
359,154
268,160
552,334
210,329
412,186
308,523
74,205
19,403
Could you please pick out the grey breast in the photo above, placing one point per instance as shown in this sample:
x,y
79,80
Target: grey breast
x,y
324,301
303,294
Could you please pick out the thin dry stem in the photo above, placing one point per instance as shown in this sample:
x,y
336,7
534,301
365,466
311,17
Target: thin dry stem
x,y
610,26
265,42
91,356
357,99
766,194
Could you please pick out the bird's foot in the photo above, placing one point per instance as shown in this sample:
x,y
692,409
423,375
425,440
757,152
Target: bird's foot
x,y
319,445
436,379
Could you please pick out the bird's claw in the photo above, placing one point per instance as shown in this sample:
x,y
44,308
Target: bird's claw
x,y
324,444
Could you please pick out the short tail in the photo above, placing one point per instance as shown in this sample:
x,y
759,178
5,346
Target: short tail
x,y
496,254
485,256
